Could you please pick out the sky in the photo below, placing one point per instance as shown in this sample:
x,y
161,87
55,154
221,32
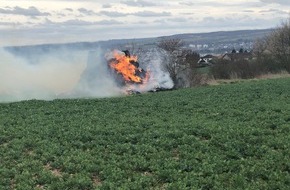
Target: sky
x,y
61,21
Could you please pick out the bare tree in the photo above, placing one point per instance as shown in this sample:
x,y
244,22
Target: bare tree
x,y
171,46
181,63
279,44
260,47
273,51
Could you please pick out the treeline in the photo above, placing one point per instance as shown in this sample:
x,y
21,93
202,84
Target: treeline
x,y
271,54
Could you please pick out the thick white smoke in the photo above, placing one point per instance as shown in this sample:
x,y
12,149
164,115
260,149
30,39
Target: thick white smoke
x,y
152,62
51,76
70,74
56,74
96,81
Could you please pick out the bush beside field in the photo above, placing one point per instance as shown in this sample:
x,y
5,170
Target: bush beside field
x,y
233,136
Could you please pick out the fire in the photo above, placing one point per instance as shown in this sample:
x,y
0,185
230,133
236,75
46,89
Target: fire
x,y
127,66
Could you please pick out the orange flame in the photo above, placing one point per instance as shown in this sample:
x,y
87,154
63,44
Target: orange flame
x,y
124,66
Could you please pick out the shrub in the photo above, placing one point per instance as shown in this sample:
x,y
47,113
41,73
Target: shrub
x,y
221,70
274,49
246,69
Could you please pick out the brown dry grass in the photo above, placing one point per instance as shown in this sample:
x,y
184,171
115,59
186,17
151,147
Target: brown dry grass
x,y
234,79
55,172
96,180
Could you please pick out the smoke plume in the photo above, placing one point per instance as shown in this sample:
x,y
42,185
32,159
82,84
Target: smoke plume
x,y
69,74
46,77
159,78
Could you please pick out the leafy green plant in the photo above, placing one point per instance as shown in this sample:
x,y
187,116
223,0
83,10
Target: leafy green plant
x,y
233,136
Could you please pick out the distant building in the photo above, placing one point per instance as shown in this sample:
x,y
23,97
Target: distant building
x,y
198,46
206,60
238,56
191,46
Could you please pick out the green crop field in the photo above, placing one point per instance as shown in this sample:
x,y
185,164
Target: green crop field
x,y
232,136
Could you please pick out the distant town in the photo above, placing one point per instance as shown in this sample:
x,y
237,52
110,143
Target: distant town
x,y
219,48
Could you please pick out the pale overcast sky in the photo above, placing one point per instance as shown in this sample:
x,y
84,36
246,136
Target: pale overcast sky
x,y
59,21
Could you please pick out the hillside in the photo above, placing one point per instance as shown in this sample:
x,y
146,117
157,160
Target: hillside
x,y
233,136
224,36
215,40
